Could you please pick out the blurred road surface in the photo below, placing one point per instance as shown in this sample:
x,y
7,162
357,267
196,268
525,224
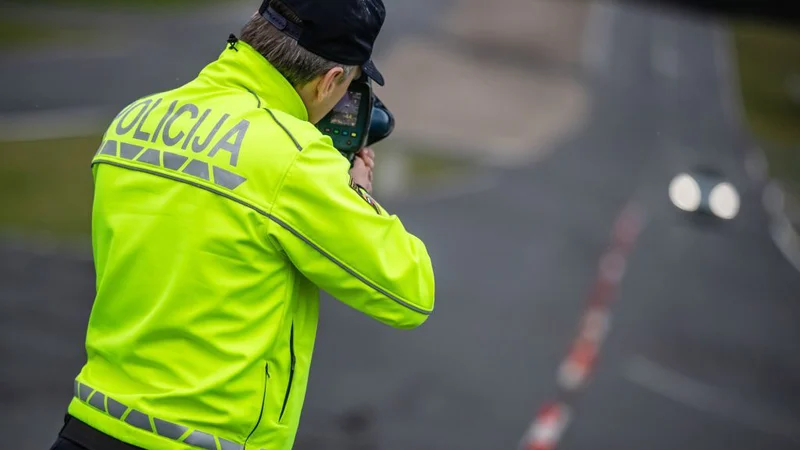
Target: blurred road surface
x,y
702,353
132,55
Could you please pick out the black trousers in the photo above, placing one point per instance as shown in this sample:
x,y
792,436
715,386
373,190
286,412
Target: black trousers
x,y
64,444
76,435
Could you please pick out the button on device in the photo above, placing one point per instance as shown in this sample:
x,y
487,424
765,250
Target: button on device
x,y
327,130
349,142
335,131
353,134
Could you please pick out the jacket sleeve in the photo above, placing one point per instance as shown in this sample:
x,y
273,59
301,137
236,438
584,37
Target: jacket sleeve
x,y
347,244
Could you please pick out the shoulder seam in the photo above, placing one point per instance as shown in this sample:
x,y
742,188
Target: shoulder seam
x,y
258,100
286,130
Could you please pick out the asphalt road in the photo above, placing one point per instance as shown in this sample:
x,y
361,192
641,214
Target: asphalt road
x,y
129,55
702,353
702,350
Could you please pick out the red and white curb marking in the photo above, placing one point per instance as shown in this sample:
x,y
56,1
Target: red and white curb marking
x,y
546,431
551,421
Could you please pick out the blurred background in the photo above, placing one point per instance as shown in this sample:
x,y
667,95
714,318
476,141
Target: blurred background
x,y
535,150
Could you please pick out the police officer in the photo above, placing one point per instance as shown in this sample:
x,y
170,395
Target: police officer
x,y
219,213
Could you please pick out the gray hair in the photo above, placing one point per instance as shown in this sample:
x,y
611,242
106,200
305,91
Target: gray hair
x,y
298,65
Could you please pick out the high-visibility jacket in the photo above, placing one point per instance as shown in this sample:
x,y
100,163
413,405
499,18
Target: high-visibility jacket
x,y
219,213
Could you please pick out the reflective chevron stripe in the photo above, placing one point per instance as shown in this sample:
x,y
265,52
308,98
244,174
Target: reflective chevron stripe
x,y
138,419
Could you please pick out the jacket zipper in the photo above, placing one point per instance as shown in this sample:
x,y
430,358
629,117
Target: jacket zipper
x,y
291,372
263,397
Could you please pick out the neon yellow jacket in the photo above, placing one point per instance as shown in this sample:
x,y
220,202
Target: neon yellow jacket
x,y
219,213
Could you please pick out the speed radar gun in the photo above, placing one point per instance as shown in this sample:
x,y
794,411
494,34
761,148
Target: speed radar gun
x,y
359,120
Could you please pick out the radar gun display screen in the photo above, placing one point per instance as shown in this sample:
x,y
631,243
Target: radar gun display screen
x,y
345,113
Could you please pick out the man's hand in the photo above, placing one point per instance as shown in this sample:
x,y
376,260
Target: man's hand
x,y
361,171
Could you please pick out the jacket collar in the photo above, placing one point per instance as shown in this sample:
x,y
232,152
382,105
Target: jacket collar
x,y
242,67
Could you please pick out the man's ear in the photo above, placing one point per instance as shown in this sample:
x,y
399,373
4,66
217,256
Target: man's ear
x,y
329,81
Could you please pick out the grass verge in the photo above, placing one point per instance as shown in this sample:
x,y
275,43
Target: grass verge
x,y
768,60
16,34
47,186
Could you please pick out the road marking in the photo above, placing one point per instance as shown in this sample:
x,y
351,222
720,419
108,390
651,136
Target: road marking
x,y
546,431
549,424
781,230
612,267
711,400
786,239
597,39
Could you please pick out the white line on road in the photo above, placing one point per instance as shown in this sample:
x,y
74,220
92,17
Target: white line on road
x,y
597,39
786,239
711,400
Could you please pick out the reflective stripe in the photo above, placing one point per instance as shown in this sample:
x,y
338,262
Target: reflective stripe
x,y
115,408
151,156
227,179
228,445
98,400
139,420
197,168
202,440
129,151
142,421
174,161
84,392
169,429
108,148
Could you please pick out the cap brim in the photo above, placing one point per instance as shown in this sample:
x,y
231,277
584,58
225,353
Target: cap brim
x,y
371,71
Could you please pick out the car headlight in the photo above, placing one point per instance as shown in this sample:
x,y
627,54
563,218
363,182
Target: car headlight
x,y
724,201
684,192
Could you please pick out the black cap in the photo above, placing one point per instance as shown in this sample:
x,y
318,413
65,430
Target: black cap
x,y
342,31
